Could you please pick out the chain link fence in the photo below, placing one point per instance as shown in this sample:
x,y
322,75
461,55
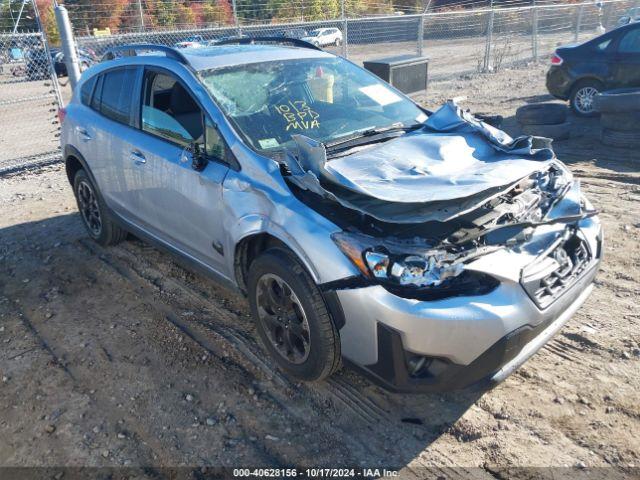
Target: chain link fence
x,y
458,42
29,102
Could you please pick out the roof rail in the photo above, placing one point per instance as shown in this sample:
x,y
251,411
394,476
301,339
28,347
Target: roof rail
x,y
295,42
133,49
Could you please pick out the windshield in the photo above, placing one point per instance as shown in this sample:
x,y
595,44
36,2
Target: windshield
x,y
314,33
321,98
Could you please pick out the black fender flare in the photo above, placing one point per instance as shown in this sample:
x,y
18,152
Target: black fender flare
x,y
72,152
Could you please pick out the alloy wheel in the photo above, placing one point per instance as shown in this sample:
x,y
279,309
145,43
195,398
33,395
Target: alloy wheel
x,y
584,99
88,203
283,318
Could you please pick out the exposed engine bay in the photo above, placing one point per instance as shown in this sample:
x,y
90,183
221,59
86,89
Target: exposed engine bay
x,y
416,208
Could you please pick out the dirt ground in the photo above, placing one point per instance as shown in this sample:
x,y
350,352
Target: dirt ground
x,y
120,357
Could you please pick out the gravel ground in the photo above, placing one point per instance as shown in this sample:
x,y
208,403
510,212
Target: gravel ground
x,y
120,357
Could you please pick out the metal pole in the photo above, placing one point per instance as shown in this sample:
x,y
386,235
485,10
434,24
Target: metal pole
x,y
421,29
487,51
15,27
235,17
68,45
52,72
345,30
141,15
534,32
579,22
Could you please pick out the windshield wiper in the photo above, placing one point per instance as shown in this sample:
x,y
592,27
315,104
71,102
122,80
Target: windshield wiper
x,y
370,132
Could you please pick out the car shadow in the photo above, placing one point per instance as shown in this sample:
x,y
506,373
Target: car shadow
x,y
372,426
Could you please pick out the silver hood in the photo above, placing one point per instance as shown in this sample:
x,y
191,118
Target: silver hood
x,y
445,168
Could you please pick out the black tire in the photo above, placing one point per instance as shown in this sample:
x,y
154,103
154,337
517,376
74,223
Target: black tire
x,y
582,108
622,122
618,101
323,356
618,139
561,131
542,114
107,232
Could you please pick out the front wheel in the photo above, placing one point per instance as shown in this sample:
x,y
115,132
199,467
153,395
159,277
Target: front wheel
x,y
292,318
583,96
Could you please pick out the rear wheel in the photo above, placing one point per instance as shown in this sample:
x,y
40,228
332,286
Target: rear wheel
x,y
583,96
97,220
291,317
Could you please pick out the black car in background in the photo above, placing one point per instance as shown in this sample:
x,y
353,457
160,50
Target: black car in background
x,y
38,66
606,62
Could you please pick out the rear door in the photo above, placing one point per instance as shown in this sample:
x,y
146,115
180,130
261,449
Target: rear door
x,y
113,101
177,203
626,62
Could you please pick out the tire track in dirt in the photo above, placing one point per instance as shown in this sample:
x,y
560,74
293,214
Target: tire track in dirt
x,y
148,444
360,404
372,416
205,342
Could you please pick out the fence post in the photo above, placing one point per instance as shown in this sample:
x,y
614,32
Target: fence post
x,y
345,30
421,35
487,51
579,22
236,20
141,15
68,45
534,32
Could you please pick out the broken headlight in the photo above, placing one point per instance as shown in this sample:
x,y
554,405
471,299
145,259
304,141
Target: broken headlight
x,y
420,267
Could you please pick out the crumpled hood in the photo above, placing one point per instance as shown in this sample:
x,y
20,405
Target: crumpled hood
x,y
428,166
452,164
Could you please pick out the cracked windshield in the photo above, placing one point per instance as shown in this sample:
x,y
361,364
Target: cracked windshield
x,y
324,99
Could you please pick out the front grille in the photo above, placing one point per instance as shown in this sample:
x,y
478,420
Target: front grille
x,y
549,276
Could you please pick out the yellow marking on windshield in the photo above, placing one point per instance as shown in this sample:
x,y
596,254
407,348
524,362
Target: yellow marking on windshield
x,y
298,115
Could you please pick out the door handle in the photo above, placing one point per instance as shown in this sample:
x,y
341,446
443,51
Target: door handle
x,y
83,133
137,157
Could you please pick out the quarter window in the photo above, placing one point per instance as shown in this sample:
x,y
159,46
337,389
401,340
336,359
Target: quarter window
x,y
115,102
87,90
630,43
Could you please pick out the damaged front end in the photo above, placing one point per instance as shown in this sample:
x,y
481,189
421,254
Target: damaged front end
x,y
417,209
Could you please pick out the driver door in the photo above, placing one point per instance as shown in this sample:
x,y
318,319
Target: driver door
x,y
177,203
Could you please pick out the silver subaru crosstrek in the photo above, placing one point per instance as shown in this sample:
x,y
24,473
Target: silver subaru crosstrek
x,y
428,249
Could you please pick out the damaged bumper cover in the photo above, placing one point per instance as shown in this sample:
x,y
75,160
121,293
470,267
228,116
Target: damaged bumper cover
x,y
473,248
454,343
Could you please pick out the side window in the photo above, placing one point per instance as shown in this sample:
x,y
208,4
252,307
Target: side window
x,y
115,102
87,90
169,111
630,43
602,46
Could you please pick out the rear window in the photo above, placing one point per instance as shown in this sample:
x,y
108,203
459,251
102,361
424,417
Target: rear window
x,y
116,100
87,90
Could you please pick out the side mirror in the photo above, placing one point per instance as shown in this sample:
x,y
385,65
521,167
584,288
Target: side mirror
x,y
199,159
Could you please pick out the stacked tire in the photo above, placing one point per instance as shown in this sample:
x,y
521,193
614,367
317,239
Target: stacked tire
x,y
544,120
619,117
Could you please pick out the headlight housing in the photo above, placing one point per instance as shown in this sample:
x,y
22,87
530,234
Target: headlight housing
x,y
418,267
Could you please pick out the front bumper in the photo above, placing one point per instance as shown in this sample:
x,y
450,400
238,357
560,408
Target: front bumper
x,y
464,341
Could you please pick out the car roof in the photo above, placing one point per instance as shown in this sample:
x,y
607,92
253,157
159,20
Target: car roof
x,y
216,56
206,58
